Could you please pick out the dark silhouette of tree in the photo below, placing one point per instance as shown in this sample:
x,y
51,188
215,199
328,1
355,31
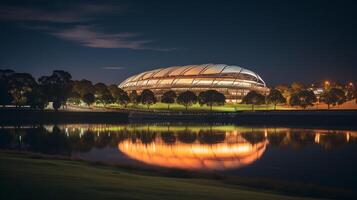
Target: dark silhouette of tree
x,y
134,97
102,94
147,98
169,97
36,99
333,96
211,98
57,87
19,84
253,137
168,137
253,98
187,136
74,98
275,97
187,99
83,87
106,99
211,137
304,98
115,91
89,99
123,98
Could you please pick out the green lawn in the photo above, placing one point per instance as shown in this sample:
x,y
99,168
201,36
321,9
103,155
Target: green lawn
x,y
228,107
23,177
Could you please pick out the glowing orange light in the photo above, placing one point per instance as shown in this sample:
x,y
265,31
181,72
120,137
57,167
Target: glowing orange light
x,y
195,156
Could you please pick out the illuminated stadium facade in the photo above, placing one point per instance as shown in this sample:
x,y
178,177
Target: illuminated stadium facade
x,y
233,81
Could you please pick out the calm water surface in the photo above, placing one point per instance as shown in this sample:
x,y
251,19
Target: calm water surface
x,y
319,156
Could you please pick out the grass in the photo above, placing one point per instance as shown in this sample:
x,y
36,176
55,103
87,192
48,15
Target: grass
x,y
228,107
24,177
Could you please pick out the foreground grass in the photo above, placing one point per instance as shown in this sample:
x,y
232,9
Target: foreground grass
x,y
23,177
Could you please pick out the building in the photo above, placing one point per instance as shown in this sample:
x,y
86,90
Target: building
x,y
233,81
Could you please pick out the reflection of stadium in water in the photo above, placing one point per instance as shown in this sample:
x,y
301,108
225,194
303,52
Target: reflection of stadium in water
x,y
233,152
167,145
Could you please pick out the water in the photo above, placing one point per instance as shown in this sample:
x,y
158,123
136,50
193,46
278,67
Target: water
x,y
318,156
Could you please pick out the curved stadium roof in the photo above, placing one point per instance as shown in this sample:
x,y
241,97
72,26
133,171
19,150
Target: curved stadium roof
x,y
191,76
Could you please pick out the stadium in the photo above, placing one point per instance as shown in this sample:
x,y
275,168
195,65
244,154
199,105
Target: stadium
x,y
233,81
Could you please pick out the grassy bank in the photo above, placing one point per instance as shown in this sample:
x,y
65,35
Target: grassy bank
x,y
24,177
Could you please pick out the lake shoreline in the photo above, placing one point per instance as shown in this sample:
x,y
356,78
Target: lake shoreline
x,y
297,189
280,117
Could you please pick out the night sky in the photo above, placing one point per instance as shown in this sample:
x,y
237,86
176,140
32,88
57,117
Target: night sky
x,y
107,41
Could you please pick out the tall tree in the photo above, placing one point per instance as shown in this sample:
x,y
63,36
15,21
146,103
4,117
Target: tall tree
x,y
275,97
57,87
333,96
134,97
20,84
89,99
102,93
36,99
83,87
303,98
169,97
253,98
211,98
147,98
186,99
123,98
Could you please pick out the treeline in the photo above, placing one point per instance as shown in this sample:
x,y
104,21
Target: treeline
x,y
20,89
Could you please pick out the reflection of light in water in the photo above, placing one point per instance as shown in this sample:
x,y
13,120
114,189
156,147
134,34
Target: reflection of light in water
x,y
347,136
195,156
317,138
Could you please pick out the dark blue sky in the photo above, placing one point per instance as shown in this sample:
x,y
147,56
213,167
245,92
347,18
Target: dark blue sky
x,y
107,41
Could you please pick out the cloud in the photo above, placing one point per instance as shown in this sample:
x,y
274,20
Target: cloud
x,y
76,13
72,19
113,68
89,37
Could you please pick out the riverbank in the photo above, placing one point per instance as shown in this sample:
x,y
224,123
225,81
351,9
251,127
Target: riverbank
x,y
35,116
312,118
25,176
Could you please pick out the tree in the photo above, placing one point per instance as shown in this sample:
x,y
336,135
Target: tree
x,y
115,91
134,97
296,87
147,97
304,98
169,97
275,97
186,99
253,98
57,87
210,98
83,87
123,99
36,99
333,96
89,99
102,94
19,84
74,98
106,99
